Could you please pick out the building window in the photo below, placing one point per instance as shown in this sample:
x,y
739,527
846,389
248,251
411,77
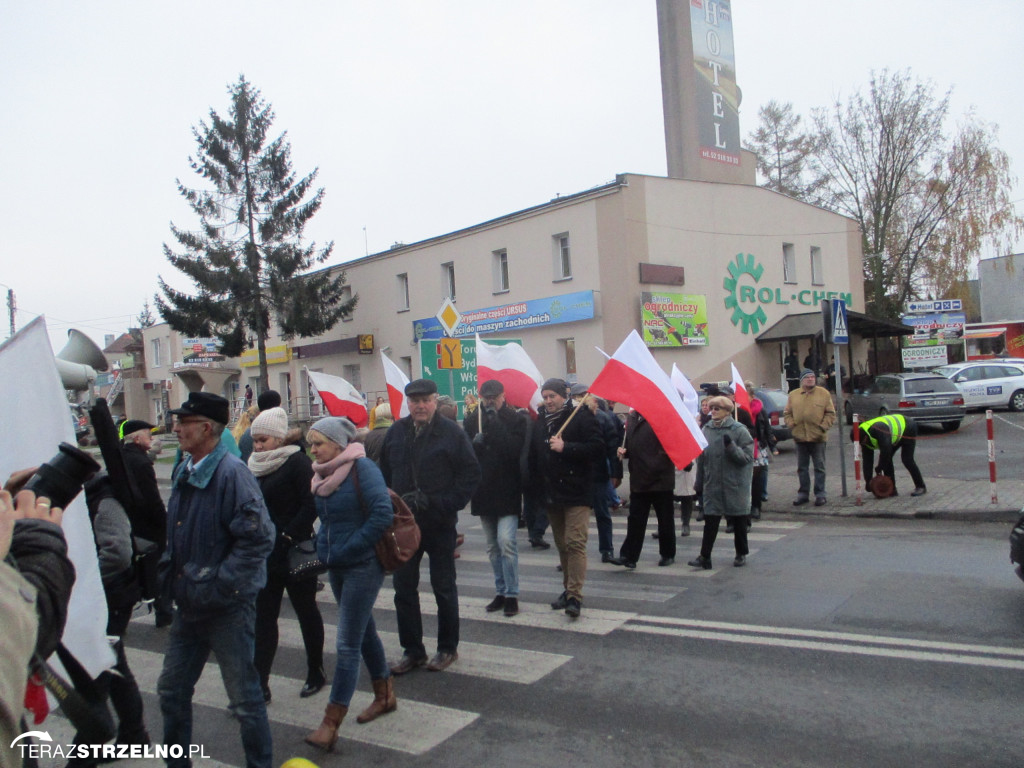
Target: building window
x,y
817,275
569,352
448,280
405,363
353,375
499,263
154,361
346,296
788,263
403,292
563,261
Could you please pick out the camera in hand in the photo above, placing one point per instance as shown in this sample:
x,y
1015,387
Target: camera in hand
x,y
62,477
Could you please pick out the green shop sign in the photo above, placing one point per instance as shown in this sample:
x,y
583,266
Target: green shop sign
x,y
746,297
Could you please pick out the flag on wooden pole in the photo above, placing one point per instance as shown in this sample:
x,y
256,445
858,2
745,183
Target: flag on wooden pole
x,y
509,364
632,376
395,380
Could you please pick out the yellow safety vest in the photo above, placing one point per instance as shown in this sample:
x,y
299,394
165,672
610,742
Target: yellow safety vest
x,y
897,426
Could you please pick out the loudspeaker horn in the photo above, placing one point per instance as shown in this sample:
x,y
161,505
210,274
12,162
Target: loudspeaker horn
x,y
78,362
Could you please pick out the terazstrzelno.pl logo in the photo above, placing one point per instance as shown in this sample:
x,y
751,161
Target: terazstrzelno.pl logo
x,y
38,745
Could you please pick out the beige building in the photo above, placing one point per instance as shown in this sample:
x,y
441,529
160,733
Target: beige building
x,y
570,275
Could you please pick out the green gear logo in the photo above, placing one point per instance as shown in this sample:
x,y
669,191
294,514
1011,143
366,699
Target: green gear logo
x,y
744,265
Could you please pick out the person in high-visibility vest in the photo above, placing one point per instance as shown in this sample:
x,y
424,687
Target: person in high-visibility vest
x,y
884,434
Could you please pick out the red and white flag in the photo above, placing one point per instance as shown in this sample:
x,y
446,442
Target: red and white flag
x,y
395,380
742,396
509,364
339,397
685,389
632,376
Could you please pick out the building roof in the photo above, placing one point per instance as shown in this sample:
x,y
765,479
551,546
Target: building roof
x,y
808,325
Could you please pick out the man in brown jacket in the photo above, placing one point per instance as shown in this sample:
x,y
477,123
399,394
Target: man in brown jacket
x,y
810,414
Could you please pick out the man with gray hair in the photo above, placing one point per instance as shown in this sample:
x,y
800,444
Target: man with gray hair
x,y
219,536
428,460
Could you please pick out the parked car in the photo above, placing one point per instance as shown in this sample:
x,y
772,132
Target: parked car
x,y
924,397
988,383
774,401
1017,546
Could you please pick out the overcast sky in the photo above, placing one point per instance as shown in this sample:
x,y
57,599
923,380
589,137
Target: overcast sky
x,y
423,117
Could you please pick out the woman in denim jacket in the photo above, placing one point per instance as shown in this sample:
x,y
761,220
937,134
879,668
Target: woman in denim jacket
x,y
351,522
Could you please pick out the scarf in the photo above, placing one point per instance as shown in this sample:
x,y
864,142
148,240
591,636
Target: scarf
x,y
552,420
331,474
265,462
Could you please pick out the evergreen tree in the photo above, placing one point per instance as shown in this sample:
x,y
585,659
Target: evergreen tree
x,y
145,318
247,258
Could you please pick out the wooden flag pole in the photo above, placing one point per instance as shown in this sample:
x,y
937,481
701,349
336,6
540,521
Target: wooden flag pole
x,y
574,411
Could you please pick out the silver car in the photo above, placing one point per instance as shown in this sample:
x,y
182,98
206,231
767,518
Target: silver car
x,y
924,397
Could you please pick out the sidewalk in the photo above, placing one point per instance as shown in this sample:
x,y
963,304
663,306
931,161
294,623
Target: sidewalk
x,y
947,499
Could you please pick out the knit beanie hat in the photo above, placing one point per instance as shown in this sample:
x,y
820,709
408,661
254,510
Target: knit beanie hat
x,y
555,385
336,429
272,422
807,372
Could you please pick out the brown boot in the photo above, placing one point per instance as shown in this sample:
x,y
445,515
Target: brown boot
x,y
325,736
384,701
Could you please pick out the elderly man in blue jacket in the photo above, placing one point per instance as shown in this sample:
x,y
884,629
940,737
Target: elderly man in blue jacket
x,y
219,536
429,461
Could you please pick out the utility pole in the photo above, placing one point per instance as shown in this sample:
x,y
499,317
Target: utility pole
x,y
12,307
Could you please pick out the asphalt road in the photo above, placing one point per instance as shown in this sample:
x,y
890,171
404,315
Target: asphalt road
x,y
844,642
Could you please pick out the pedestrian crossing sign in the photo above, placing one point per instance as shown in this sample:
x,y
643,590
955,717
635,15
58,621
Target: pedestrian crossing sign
x,y
840,327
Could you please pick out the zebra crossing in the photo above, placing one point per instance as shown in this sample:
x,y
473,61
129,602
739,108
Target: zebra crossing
x,y
613,596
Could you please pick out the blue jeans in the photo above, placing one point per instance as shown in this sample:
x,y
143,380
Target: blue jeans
x,y
500,533
438,543
805,454
355,589
230,636
603,516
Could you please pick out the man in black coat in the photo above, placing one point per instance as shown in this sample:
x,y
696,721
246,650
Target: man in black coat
x,y
498,432
652,477
428,460
565,444
149,521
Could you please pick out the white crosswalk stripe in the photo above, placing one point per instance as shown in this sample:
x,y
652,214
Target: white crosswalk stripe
x,y
494,662
402,730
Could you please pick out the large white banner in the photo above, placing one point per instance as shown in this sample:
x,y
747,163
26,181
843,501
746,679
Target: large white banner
x,y
34,420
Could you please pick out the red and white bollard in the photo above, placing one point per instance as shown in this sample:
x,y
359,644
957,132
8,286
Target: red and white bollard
x,y
991,455
858,477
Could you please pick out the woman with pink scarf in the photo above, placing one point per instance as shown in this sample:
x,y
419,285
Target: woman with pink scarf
x,y
351,522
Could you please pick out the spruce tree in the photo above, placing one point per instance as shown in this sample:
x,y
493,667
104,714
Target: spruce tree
x,y
247,258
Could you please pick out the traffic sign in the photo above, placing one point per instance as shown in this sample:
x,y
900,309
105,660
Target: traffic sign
x,y
449,354
840,328
449,317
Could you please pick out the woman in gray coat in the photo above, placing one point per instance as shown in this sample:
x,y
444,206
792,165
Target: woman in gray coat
x,y
727,466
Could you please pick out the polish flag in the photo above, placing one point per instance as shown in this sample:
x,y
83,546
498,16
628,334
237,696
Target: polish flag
x,y
340,398
685,389
509,364
632,376
742,396
396,381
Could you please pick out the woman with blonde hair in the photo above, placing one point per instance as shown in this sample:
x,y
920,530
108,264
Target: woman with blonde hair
x,y
244,422
726,469
355,509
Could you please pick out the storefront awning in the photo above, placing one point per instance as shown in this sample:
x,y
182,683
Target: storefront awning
x,y
808,325
983,333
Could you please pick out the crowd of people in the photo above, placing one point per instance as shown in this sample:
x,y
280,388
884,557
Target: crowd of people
x,y
241,506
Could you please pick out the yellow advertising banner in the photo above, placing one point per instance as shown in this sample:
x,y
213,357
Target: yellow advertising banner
x,y
275,355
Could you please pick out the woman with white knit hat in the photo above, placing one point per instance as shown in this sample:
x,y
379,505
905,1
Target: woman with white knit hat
x,y
284,473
